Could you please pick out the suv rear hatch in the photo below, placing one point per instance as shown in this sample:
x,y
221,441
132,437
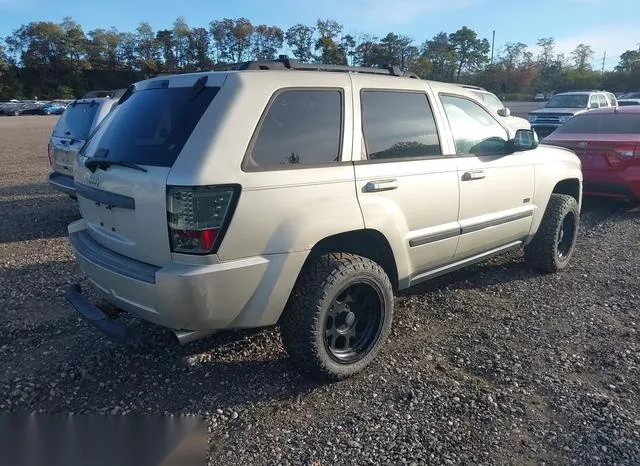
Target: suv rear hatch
x,y
70,133
121,175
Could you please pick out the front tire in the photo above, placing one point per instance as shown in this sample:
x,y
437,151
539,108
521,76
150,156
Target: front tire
x,y
554,243
338,316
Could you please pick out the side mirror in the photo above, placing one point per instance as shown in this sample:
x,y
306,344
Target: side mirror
x,y
504,112
525,139
594,105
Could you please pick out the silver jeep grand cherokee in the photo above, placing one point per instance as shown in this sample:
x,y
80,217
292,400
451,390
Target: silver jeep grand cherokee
x,y
305,195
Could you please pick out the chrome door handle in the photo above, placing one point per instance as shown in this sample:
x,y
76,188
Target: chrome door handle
x,y
473,175
381,185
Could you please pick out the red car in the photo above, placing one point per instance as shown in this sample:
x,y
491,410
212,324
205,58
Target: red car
x,y
607,140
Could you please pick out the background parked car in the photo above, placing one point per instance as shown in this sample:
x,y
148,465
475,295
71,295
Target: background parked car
x,y
607,141
630,98
564,106
53,108
493,103
74,126
10,109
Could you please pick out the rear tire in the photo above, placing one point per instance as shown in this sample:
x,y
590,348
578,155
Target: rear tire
x,y
554,243
338,316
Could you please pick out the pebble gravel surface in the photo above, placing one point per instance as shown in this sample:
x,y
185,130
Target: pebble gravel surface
x,y
496,364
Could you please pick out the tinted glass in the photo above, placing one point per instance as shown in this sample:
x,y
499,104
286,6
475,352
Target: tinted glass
x,y
301,127
568,101
76,121
151,126
622,103
398,124
605,123
475,131
489,100
603,100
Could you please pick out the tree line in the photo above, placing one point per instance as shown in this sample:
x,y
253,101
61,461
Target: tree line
x,y
59,60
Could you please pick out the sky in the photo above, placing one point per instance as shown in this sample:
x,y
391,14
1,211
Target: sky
x,y
609,26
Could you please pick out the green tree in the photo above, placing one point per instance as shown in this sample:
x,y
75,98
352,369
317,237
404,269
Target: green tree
x,y
127,51
164,38
471,53
629,61
267,40
330,51
368,52
547,51
515,54
348,47
582,56
198,52
232,39
147,49
299,38
398,51
442,56
181,35
102,49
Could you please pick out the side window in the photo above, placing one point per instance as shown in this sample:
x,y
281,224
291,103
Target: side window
x,y
593,100
474,130
603,100
301,127
398,124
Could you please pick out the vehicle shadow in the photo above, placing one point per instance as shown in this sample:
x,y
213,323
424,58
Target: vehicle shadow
x,y
43,214
30,189
512,267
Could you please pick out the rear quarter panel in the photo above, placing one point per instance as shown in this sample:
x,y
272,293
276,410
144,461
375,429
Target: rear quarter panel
x,y
280,210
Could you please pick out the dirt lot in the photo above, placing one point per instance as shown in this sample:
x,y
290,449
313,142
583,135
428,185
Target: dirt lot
x,y
494,364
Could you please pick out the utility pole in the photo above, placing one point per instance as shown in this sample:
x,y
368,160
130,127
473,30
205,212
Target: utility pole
x,y
604,58
493,42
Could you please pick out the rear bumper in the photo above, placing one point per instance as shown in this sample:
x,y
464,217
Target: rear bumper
x,y
62,183
623,184
243,293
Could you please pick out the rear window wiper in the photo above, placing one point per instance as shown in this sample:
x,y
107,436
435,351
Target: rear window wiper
x,y
92,164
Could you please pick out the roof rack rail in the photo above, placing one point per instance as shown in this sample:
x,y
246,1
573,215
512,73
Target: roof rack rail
x,y
469,86
286,63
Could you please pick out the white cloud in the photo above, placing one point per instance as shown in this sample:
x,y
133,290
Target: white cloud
x,y
614,40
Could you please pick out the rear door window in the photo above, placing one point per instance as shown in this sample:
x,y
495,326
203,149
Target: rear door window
x,y
398,125
76,121
152,126
602,100
301,127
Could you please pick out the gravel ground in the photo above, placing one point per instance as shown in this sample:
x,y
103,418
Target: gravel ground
x,y
493,364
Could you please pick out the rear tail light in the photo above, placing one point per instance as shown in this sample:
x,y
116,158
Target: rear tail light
x,y
49,152
198,216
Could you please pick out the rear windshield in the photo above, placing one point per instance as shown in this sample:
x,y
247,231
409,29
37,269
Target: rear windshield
x,y
604,123
76,121
151,126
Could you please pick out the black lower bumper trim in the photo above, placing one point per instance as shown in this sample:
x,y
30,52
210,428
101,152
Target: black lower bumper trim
x,y
612,189
95,316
